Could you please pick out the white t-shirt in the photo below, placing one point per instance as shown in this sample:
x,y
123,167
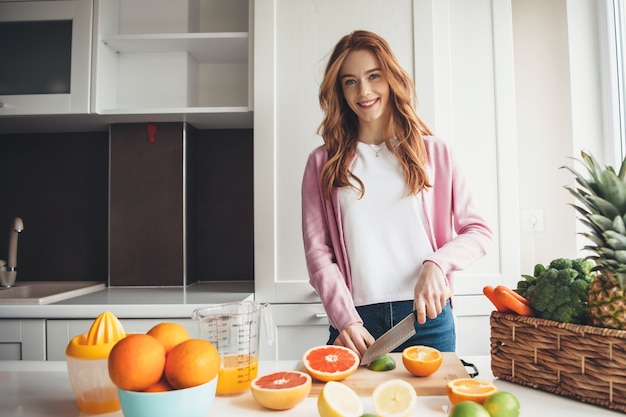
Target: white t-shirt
x,y
384,231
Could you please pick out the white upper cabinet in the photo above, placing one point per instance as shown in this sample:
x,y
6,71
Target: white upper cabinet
x,y
166,60
460,55
45,56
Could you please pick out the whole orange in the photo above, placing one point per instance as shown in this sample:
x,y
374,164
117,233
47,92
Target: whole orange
x,y
192,362
170,334
160,386
136,362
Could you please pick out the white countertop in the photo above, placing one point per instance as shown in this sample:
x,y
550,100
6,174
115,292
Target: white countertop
x,y
41,389
136,302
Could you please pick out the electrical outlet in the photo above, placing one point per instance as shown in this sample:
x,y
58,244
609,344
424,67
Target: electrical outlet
x,y
532,221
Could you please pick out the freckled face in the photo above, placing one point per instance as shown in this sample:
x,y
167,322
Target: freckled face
x,y
365,86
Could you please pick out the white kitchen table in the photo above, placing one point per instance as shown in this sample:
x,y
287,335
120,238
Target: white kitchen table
x,y
42,389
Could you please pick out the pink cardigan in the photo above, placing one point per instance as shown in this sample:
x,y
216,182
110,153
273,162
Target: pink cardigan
x,y
449,208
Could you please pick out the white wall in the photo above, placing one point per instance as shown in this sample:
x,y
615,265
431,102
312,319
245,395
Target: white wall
x,y
558,90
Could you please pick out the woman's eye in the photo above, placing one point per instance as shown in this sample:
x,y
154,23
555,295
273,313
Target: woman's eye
x,y
374,76
350,82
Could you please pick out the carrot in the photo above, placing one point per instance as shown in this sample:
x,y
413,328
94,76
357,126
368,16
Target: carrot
x,y
507,297
488,290
515,294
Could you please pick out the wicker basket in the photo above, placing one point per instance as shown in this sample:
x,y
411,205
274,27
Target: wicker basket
x,y
584,363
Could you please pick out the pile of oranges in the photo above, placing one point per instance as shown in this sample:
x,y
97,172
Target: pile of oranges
x,y
163,359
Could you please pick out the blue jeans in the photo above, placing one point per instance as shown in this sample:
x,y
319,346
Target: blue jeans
x,y
378,318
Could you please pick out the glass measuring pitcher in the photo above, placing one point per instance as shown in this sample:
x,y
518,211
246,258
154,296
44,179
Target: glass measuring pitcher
x,y
234,330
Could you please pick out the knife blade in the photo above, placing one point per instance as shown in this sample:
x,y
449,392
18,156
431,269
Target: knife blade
x,y
392,338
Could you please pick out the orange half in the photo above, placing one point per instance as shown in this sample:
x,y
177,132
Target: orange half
x,y
470,389
421,360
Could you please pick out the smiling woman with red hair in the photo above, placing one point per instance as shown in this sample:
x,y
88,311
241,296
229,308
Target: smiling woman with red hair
x,y
387,214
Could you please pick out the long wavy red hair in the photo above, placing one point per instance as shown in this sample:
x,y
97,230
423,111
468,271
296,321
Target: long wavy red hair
x,y
340,126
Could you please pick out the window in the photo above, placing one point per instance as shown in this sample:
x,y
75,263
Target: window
x,y
616,81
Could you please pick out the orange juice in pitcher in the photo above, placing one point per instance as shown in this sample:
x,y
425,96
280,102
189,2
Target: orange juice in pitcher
x,y
236,373
234,330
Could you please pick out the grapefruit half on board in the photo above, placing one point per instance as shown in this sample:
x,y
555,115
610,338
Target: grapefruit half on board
x,y
330,363
281,390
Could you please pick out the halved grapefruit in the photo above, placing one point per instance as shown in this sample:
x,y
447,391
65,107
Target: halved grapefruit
x,y
281,390
330,363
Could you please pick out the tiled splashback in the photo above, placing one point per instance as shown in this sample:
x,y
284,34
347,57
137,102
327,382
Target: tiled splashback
x,y
59,185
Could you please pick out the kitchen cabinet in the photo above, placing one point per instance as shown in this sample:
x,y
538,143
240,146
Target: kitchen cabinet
x,y
23,339
158,60
460,55
60,332
48,73
296,328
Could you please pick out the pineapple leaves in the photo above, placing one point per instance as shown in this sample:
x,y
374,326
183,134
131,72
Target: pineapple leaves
x,y
594,238
601,222
614,240
620,256
600,197
604,192
604,207
618,225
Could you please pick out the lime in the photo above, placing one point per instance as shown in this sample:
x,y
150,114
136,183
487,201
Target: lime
x,y
469,409
383,363
502,404
369,415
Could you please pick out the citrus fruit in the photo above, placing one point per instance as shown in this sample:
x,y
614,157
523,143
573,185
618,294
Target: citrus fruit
x,y
192,362
330,363
136,362
281,390
394,398
468,409
160,386
470,389
383,363
502,404
170,334
338,400
421,360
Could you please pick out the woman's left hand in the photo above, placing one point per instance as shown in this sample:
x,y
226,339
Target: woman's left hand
x,y
431,292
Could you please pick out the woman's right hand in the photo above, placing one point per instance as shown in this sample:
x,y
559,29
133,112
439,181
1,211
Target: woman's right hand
x,y
355,337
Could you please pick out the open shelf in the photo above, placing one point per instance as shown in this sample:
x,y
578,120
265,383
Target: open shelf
x,y
191,60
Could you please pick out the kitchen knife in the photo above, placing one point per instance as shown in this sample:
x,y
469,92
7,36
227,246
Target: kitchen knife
x,y
393,338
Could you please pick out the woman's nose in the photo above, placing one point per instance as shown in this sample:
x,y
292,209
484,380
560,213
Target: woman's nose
x,y
364,88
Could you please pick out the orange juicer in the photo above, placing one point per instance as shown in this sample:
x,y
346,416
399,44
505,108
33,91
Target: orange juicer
x,y
87,365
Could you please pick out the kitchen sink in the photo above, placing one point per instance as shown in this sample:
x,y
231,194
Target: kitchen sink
x,y
46,292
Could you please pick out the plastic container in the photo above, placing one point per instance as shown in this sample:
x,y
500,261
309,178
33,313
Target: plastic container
x,y
87,365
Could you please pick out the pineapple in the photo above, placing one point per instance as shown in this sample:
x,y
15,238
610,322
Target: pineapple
x,y
603,209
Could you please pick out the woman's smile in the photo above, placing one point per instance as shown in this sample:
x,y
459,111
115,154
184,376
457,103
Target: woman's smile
x,y
367,104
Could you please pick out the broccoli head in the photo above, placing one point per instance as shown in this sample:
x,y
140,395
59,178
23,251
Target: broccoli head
x,y
559,292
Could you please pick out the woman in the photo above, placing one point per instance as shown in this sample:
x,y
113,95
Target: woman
x,y
387,214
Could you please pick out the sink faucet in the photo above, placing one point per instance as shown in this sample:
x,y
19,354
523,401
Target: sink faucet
x,y
8,270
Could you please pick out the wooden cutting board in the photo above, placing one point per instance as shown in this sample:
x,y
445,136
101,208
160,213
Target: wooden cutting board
x,y
363,381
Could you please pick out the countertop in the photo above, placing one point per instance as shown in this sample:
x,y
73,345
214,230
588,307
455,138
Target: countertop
x,y
136,302
42,389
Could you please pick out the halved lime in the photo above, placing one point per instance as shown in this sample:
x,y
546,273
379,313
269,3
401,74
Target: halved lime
x,y
383,363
